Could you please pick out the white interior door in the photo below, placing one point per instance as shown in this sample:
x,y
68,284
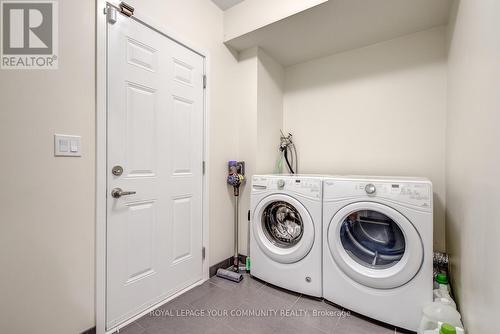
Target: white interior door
x,y
155,136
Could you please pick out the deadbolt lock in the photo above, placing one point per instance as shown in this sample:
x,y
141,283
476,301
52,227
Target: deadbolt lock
x,y
117,170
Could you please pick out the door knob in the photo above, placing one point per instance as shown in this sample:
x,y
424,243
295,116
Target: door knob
x,y
117,170
118,192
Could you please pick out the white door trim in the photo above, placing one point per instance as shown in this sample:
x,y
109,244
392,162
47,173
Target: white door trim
x,y
101,159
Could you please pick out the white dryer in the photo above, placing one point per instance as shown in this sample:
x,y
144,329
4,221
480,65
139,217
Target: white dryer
x,y
377,239
285,233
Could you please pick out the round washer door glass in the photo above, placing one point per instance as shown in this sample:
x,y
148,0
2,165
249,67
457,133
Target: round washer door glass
x,y
282,224
372,239
375,245
282,228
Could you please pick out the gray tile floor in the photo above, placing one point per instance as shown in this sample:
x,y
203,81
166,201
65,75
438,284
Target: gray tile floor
x,y
222,307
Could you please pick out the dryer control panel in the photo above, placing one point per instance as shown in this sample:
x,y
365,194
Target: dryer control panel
x,y
309,187
412,193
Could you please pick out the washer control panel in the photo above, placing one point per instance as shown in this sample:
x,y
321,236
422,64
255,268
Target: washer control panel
x,y
412,193
306,186
370,188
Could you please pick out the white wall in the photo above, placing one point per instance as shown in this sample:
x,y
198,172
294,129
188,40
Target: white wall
x,y
271,77
473,160
378,110
260,120
247,135
47,204
250,15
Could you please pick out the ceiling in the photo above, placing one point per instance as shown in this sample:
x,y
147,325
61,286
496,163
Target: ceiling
x,y
226,4
341,25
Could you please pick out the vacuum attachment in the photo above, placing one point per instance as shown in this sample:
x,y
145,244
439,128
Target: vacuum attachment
x,y
229,275
236,175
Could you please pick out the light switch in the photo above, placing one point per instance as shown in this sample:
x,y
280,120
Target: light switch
x,y
74,146
63,145
67,146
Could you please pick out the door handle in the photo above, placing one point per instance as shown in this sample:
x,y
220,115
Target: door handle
x,y
118,192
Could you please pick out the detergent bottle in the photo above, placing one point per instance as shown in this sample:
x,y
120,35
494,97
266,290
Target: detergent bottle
x,y
445,328
441,282
441,292
436,313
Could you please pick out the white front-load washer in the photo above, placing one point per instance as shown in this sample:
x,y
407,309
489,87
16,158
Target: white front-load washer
x,y
377,240
285,232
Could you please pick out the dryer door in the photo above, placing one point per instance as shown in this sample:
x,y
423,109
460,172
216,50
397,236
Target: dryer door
x,y
375,245
283,228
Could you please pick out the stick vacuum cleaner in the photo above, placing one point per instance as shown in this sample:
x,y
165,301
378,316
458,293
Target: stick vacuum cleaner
x,y
236,171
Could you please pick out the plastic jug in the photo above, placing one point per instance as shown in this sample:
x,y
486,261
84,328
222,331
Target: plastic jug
x,y
441,292
444,328
443,296
435,313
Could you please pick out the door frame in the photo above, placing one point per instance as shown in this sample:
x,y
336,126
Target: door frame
x,y
101,159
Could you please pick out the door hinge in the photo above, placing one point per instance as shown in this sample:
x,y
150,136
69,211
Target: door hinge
x,y
204,81
111,14
126,9
203,252
203,166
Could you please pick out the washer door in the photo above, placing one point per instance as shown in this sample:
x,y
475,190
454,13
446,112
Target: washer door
x,y
375,245
283,228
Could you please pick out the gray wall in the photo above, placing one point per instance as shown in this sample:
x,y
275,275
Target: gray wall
x,y
472,162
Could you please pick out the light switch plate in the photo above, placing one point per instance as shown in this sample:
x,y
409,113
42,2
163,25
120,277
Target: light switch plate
x,y
67,146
